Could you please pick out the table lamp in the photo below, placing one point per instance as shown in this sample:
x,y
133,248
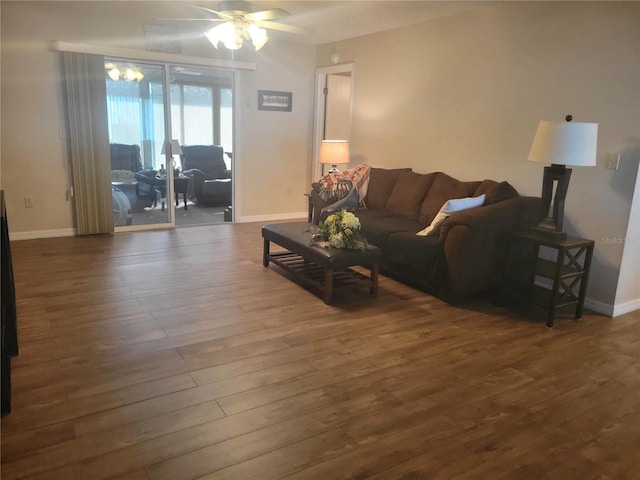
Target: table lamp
x,y
172,148
334,152
560,144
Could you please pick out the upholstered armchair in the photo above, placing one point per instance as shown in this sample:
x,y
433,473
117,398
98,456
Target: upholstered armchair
x,y
125,157
211,180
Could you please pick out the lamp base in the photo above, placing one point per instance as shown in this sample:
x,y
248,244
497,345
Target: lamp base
x,y
547,229
334,168
555,183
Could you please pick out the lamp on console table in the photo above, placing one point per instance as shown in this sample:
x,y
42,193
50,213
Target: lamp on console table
x,y
171,148
334,152
560,144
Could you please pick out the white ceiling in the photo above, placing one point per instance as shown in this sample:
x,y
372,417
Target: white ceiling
x,y
332,21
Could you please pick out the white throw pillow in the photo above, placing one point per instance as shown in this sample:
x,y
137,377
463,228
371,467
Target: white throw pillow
x,y
449,207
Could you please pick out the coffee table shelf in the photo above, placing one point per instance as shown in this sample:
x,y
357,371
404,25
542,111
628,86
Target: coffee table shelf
x,y
319,267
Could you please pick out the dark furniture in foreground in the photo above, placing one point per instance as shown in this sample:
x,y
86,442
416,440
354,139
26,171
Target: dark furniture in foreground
x,y
321,268
549,283
9,333
466,255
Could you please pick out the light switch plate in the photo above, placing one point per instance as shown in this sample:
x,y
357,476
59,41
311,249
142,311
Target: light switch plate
x,y
613,160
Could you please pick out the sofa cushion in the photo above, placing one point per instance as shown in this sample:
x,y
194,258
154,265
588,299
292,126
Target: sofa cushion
x,y
408,194
495,192
381,183
449,207
442,189
376,228
419,260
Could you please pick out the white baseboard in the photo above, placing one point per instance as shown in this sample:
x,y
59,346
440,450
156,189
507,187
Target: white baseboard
x,y
626,307
272,218
614,310
599,307
70,232
608,309
62,232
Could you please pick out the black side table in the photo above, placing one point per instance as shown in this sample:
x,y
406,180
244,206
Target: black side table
x,y
549,283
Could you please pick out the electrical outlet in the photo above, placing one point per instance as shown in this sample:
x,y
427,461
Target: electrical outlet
x,y
613,160
28,202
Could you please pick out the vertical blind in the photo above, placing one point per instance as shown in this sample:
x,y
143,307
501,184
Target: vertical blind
x,y
89,142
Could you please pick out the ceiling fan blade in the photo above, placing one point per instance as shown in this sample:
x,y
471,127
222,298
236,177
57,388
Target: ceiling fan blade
x,y
283,27
208,10
171,20
267,14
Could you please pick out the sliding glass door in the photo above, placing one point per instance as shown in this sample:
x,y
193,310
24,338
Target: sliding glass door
x,y
202,123
170,133
138,128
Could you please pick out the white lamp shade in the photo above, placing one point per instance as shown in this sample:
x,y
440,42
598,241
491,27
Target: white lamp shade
x,y
567,143
334,152
175,147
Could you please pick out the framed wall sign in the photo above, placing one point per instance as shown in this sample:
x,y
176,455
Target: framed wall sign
x,y
275,101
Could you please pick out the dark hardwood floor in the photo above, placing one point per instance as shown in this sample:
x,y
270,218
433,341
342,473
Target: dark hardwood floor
x,y
177,355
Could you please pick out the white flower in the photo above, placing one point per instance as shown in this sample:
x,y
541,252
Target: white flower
x,y
341,230
336,240
349,220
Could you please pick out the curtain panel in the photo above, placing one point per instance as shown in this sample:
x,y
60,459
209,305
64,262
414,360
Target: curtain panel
x,y
89,142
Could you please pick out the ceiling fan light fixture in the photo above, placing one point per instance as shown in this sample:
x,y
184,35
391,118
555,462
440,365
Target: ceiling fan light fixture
x,y
130,75
232,35
215,34
258,36
123,72
114,73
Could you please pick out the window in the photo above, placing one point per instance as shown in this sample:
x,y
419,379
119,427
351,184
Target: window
x,y
201,114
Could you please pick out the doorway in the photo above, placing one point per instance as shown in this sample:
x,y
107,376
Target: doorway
x,y
334,94
171,144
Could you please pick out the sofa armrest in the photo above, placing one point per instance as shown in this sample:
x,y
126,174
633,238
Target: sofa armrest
x,y
194,172
475,241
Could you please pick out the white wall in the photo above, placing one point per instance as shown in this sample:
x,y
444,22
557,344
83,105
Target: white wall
x,y
628,292
272,147
463,94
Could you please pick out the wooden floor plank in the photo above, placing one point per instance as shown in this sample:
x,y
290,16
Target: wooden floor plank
x,y
175,355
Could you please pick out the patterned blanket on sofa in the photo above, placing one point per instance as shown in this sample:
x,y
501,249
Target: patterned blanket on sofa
x,y
335,186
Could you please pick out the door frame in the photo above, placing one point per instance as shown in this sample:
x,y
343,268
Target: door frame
x,y
319,118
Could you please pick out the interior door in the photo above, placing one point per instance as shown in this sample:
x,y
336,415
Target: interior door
x,y
137,110
334,93
338,107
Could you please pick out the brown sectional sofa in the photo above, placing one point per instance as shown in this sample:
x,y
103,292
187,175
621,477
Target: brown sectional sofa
x,y
466,254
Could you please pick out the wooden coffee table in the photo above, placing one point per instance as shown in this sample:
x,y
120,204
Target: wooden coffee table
x,y
320,267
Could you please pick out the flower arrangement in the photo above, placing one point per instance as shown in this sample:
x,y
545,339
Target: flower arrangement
x,y
340,230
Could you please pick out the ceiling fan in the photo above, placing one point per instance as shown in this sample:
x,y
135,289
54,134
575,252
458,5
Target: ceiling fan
x,y
238,22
